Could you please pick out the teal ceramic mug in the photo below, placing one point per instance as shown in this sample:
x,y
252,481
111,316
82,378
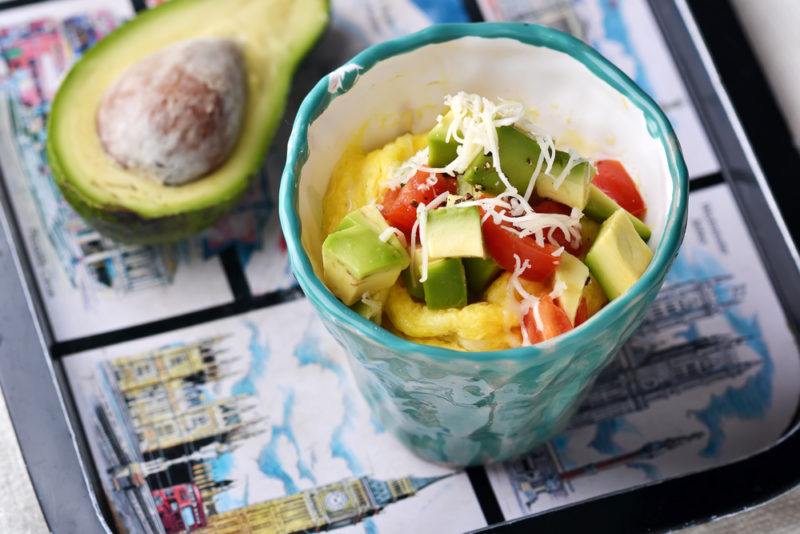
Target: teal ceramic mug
x,y
467,408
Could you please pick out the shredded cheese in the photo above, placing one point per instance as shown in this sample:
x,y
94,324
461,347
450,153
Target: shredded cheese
x,y
558,289
373,305
407,169
420,226
387,234
528,301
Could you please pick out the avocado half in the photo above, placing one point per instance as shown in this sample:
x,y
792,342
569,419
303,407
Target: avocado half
x,y
274,35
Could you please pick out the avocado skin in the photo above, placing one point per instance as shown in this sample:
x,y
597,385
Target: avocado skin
x,y
128,226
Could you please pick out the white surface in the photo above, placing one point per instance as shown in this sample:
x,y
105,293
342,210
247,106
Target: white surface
x,y
625,32
19,508
771,27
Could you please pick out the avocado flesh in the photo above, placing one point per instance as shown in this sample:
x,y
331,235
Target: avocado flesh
x,y
480,273
370,217
518,157
618,256
455,232
573,274
594,296
440,151
601,206
446,285
356,262
411,277
274,36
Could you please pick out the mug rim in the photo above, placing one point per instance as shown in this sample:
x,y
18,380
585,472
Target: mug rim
x,y
321,96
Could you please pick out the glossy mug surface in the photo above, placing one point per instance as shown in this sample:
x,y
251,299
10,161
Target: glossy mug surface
x,y
465,408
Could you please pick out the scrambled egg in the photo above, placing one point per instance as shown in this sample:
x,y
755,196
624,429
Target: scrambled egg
x,y
493,324
358,177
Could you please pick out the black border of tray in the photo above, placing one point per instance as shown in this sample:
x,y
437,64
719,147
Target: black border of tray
x,y
42,409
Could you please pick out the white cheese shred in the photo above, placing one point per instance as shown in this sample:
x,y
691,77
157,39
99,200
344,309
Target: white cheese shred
x,y
421,225
387,234
528,302
373,305
473,125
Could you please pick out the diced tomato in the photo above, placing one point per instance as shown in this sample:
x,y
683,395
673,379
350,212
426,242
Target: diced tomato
x,y
551,206
399,206
554,321
503,245
582,314
614,181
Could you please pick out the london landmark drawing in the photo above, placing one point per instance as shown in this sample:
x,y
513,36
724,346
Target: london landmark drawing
x,y
163,429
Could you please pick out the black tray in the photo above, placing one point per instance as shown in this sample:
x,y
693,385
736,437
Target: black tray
x,y
54,448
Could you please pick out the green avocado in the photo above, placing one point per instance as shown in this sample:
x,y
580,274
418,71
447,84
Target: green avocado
x,y
573,274
270,36
411,277
446,286
455,232
441,151
518,157
600,207
480,273
618,256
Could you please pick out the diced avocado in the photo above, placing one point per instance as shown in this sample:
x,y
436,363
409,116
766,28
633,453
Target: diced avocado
x,y
618,256
480,273
368,216
589,230
455,232
573,274
518,157
594,296
370,307
440,151
273,37
446,286
600,207
355,261
411,278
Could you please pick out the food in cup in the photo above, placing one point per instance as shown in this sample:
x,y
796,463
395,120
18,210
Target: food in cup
x,y
484,234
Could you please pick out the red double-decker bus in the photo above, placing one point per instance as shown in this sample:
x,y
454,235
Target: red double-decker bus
x,y
180,508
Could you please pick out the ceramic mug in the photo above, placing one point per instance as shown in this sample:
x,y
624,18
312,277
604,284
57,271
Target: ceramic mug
x,y
464,408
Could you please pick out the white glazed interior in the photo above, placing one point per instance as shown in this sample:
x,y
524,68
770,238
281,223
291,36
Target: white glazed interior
x,y
405,93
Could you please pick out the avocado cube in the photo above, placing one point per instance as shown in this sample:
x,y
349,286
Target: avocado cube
x,y
355,261
455,232
601,206
573,274
618,256
440,151
480,273
368,216
411,278
589,230
446,286
594,296
518,157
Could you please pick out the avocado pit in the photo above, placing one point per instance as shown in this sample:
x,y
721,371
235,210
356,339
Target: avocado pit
x,y
176,115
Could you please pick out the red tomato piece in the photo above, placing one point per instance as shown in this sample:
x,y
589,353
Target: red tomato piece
x,y
554,321
502,245
614,181
399,206
582,314
551,206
